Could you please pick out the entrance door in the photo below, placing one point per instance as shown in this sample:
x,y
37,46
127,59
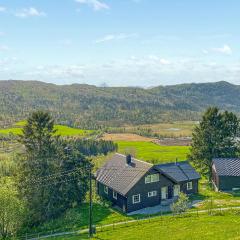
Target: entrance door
x,y
164,193
176,190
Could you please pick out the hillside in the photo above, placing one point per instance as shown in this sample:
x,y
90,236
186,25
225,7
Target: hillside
x,y
90,106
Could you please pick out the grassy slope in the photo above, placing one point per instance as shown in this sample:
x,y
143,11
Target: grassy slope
x,y
61,130
176,228
152,152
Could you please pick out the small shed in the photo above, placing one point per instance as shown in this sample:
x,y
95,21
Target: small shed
x,y
226,174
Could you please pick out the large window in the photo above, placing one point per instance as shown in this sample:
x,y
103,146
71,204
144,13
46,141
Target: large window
x,y
136,198
189,186
105,189
152,194
176,190
114,194
152,178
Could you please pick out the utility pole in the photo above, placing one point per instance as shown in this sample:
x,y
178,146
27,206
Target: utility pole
x,y
90,203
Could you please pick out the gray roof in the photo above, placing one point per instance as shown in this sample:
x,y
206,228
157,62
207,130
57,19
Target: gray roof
x,y
178,172
227,166
119,176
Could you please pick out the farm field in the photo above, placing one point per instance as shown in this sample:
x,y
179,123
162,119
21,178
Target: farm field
x,y
125,137
174,129
61,130
152,152
222,227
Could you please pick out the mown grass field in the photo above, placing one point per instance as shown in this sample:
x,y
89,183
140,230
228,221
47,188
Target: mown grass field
x,y
174,129
152,152
192,227
61,130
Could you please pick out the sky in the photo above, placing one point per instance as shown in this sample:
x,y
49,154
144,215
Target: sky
x,y
120,42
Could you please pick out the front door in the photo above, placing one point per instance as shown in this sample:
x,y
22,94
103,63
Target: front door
x,y
164,193
176,190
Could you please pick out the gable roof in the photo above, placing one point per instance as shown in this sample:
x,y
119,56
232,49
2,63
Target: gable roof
x,y
178,172
227,166
120,176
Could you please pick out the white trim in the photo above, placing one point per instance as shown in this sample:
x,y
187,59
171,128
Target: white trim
x,y
105,189
151,176
152,194
133,198
114,195
189,185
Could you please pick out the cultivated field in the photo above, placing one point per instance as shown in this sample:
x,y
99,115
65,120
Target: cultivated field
x,y
125,137
152,152
61,130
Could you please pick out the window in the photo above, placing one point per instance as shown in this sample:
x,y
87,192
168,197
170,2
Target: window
x,y
105,189
114,194
152,194
152,178
189,185
136,198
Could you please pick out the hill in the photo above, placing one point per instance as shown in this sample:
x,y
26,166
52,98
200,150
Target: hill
x,y
90,106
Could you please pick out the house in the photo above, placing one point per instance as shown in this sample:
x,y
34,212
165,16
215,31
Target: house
x,y
226,174
132,184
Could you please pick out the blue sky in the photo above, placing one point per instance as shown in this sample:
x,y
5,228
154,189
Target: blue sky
x,y
120,42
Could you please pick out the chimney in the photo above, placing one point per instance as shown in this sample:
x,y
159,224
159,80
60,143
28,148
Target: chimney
x,y
128,159
176,161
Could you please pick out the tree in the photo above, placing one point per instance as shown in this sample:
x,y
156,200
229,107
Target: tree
x,y
37,163
181,205
215,136
11,209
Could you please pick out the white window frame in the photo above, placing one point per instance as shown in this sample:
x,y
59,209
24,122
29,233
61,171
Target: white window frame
x,y
152,194
139,198
114,194
105,189
150,178
189,185
178,188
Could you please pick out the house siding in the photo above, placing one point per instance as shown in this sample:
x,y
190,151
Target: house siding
x,y
121,201
143,188
183,187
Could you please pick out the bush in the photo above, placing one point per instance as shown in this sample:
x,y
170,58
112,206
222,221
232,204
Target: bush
x,y
181,205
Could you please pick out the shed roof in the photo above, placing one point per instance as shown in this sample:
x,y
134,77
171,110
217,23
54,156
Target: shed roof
x,y
227,166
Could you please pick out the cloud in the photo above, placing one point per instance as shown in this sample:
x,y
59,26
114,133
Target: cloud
x,y
29,12
2,9
3,48
224,50
2,34
113,37
94,4
157,60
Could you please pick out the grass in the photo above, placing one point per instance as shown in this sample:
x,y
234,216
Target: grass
x,y
174,129
61,130
221,227
152,152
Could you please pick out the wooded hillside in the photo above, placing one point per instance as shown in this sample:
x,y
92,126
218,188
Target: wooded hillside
x,y
90,106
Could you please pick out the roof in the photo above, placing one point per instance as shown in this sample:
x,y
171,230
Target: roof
x,y
120,176
178,172
227,166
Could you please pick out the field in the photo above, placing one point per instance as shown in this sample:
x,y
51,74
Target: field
x,y
125,137
152,152
61,130
174,129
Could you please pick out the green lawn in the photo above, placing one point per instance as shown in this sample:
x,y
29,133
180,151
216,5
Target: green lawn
x,y
221,227
154,153
61,130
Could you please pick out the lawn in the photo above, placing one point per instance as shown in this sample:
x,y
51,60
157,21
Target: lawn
x,y
61,130
152,152
221,226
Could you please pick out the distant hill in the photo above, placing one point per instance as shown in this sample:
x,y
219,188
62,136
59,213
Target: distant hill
x,y
90,106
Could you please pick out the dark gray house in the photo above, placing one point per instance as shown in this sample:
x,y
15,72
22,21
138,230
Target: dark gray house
x,y
226,174
132,184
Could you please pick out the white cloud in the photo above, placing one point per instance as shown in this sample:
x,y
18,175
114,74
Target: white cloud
x,y
29,12
112,37
157,60
2,9
4,48
95,4
224,50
